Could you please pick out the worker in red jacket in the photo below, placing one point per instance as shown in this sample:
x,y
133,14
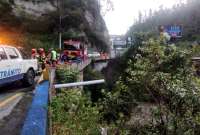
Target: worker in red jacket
x,y
34,53
42,57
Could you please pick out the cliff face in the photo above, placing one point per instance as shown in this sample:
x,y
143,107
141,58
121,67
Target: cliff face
x,y
80,18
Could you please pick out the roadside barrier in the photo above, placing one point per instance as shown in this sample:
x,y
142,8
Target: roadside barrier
x,y
57,86
37,117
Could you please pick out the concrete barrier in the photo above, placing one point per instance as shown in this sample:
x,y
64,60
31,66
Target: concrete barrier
x,y
37,117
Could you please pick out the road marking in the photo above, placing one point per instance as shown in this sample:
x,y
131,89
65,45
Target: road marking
x,y
10,99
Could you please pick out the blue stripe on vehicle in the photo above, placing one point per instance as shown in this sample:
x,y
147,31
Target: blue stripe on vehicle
x,y
11,79
36,120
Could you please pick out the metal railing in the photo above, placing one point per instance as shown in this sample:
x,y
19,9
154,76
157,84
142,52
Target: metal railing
x,y
76,84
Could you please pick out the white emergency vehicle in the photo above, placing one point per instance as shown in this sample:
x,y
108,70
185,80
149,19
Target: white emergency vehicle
x,y
15,66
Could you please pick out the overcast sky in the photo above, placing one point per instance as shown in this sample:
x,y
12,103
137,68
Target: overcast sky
x,y
125,11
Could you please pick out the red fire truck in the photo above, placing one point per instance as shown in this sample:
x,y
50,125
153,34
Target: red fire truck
x,y
73,51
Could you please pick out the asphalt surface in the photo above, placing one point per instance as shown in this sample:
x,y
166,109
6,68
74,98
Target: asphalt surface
x,y
15,100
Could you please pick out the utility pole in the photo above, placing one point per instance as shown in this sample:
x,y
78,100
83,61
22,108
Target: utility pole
x,y
60,32
60,23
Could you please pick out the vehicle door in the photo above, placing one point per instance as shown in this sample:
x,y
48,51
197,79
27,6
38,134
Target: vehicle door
x,y
15,71
4,65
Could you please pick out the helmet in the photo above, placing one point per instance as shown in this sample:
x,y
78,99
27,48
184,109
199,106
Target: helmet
x,y
33,50
41,49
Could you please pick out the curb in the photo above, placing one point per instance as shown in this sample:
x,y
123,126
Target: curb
x,y
36,120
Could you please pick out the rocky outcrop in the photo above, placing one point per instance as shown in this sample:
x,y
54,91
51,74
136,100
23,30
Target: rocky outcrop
x,y
80,18
36,8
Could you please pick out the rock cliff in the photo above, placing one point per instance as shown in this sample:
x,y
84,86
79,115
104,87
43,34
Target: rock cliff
x,y
80,19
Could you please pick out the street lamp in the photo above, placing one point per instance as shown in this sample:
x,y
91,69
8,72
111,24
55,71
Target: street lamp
x,y
59,10
59,6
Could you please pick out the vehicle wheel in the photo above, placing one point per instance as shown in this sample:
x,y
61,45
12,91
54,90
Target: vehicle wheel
x,y
29,78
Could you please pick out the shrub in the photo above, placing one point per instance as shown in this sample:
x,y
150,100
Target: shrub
x,y
72,111
162,75
93,90
66,75
74,114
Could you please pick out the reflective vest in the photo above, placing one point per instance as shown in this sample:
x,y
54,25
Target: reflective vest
x,y
53,55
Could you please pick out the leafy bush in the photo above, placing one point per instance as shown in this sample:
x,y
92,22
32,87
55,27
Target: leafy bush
x,y
74,114
66,75
93,90
162,75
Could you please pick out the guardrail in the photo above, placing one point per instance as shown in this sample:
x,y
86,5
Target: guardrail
x,y
76,84
196,58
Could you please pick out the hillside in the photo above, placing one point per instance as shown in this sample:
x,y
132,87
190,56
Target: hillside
x,y
39,20
184,14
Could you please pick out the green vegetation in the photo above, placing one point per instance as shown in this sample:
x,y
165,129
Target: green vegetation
x,y
116,67
72,111
74,114
150,73
93,91
162,76
66,75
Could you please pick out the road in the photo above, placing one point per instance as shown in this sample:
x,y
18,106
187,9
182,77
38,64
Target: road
x,y
14,103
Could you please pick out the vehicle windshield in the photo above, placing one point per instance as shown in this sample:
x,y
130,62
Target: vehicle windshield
x,y
70,47
24,53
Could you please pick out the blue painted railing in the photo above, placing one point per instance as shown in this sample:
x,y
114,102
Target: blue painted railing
x,y
36,120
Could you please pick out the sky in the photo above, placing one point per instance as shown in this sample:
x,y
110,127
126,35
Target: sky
x,y
125,12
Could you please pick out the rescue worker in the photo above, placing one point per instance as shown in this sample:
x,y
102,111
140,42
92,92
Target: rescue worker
x,y
33,53
42,57
53,57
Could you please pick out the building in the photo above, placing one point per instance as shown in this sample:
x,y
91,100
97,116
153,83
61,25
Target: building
x,y
118,41
119,45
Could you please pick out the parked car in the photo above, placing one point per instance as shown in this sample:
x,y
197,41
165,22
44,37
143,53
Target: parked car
x,y
14,67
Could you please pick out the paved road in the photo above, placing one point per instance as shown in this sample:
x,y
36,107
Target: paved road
x,y
10,96
14,104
